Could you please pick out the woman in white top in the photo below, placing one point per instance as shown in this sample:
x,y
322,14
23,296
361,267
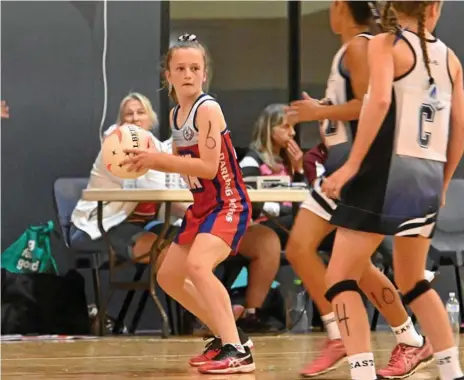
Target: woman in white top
x,y
124,221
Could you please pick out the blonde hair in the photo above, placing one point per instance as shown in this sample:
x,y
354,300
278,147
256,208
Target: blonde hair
x,y
261,141
146,104
185,41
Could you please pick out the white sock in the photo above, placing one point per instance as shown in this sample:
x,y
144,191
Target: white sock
x,y
239,347
362,366
448,364
407,334
331,326
249,310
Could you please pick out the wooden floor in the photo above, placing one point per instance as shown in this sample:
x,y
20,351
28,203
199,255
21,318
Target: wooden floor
x,y
277,358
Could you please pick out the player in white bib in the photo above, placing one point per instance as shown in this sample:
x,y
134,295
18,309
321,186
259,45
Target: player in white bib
x,y
402,160
346,87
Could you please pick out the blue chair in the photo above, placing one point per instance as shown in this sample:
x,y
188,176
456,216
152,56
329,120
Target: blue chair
x,y
447,246
66,194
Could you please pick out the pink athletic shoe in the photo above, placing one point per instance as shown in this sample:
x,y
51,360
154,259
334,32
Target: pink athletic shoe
x,y
331,356
406,360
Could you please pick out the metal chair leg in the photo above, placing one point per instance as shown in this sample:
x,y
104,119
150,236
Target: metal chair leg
x,y
140,269
139,311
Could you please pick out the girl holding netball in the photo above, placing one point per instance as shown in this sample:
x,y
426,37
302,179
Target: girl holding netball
x,y
216,221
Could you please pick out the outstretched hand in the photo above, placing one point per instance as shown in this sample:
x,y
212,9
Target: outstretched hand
x,y
139,159
302,110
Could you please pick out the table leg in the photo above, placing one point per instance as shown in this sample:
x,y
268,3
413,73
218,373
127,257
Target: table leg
x,y
156,249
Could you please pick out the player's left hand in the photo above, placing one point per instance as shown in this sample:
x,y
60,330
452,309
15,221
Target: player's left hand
x,y
305,109
138,159
333,185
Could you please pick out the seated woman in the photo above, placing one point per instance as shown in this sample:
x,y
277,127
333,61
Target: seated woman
x,y
124,221
274,152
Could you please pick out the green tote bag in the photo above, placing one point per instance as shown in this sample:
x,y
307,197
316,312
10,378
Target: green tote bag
x,y
31,253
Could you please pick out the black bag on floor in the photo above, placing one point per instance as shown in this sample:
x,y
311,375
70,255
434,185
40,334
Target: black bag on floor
x,y
39,303
273,309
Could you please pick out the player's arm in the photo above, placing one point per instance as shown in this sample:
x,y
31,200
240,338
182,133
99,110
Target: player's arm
x,y
356,61
456,138
173,144
381,64
210,123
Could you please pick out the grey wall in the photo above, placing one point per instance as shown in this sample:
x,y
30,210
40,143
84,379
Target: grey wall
x,y
52,80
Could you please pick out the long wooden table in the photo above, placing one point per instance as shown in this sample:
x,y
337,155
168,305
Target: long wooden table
x,y
167,196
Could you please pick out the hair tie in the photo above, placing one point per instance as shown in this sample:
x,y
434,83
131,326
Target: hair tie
x,y
187,37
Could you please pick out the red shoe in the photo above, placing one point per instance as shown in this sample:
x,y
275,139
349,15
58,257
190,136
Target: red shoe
x,y
332,355
406,360
213,347
228,361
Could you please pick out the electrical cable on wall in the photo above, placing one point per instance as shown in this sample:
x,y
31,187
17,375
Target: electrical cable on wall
x,y
105,80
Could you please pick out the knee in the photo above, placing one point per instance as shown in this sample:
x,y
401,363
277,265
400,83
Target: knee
x,y
411,293
142,246
335,275
266,245
297,249
260,241
196,271
407,283
340,287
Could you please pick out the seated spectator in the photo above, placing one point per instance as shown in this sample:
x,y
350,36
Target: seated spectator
x,y
260,244
124,221
274,152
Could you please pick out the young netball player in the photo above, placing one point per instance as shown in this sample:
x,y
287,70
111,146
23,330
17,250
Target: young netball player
x,y
346,87
216,221
403,158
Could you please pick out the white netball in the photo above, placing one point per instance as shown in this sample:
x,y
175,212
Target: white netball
x,y
124,137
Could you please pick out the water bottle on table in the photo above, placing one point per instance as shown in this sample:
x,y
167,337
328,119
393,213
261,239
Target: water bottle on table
x,y
454,315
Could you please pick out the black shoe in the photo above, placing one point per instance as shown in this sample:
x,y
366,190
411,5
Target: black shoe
x,y
229,360
215,343
253,324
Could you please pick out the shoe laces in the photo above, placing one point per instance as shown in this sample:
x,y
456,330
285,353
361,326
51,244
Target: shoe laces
x,y
212,343
399,352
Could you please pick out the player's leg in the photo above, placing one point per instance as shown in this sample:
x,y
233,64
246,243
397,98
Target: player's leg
x,y
206,253
172,277
409,261
350,258
412,351
261,245
306,235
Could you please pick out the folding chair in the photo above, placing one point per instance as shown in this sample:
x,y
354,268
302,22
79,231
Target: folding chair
x,y
447,246
66,193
